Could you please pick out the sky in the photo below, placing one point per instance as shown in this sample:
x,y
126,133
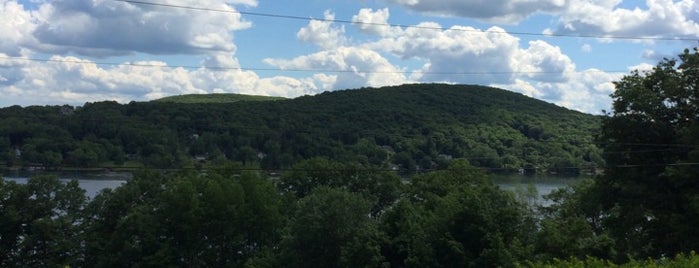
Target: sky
x,y
566,52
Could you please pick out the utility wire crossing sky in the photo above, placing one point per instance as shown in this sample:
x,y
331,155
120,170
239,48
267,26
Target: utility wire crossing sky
x,y
564,52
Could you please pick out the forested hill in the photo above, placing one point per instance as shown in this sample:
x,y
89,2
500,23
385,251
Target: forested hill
x,y
409,127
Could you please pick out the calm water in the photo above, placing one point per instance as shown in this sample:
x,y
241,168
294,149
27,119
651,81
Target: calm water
x,y
94,182
543,184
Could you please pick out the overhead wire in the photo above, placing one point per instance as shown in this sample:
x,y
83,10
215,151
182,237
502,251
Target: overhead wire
x,y
294,17
344,21
282,16
383,169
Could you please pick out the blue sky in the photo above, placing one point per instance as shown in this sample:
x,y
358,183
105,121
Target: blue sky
x,y
77,51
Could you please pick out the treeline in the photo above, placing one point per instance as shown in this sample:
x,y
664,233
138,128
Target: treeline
x,y
323,214
410,127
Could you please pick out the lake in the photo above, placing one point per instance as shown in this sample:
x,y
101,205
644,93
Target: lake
x,y
94,182
543,184
91,182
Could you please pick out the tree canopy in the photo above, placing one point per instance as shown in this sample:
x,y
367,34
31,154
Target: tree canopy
x,y
650,190
408,127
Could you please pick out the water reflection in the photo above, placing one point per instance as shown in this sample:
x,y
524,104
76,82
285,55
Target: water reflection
x,y
94,182
543,184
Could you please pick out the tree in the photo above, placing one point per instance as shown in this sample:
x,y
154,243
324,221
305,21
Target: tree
x,y
649,192
331,228
183,220
39,222
570,226
381,187
456,218
87,154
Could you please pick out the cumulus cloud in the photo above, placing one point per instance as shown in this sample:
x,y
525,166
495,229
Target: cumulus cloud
x,y
643,67
15,23
104,28
351,67
322,33
660,18
470,55
72,80
458,50
542,61
586,91
375,22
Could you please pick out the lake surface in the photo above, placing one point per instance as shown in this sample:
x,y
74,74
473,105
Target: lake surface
x,y
542,183
91,182
94,182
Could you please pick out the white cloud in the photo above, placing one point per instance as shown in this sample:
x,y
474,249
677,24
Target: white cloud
x,y
642,67
15,26
658,18
586,91
353,67
103,28
469,55
458,50
72,80
375,22
322,34
284,86
543,62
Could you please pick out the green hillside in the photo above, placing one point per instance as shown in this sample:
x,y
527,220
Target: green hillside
x,y
216,98
409,127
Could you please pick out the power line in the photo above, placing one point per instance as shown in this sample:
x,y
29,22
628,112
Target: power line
x,y
294,17
372,170
223,68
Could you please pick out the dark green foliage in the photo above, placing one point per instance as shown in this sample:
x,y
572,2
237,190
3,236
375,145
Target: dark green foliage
x,y
185,220
572,227
457,218
415,127
679,261
381,187
650,190
39,222
331,228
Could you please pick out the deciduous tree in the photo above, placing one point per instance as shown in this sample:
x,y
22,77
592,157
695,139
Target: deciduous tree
x,y
650,189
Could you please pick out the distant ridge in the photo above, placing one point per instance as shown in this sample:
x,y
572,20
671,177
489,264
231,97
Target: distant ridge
x,y
414,127
216,98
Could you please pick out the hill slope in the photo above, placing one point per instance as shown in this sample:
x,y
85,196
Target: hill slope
x,y
216,98
419,126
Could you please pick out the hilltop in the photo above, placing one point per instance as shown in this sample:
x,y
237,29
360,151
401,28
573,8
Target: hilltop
x,y
408,127
216,98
